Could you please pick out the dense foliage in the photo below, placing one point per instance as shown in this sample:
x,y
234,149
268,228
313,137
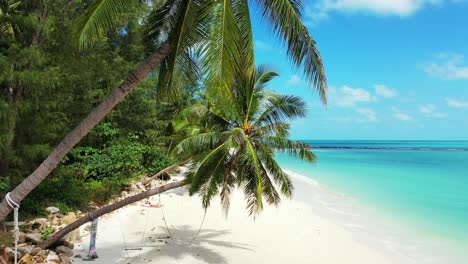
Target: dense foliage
x,y
237,139
47,86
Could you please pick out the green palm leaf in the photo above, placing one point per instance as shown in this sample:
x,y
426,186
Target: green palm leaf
x,y
285,18
220,52
101,16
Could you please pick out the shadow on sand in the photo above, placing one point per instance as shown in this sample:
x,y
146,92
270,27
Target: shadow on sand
x,y
206,248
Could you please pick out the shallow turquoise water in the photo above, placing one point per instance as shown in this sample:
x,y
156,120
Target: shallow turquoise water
x,y
421,183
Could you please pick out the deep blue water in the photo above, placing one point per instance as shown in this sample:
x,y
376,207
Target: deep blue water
x,y
421,183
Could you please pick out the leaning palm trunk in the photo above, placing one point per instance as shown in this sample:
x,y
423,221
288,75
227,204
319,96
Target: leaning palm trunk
x,y
22,190
108,209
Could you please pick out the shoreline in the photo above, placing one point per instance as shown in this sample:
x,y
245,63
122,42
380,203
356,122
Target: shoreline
x,y
315,226
378,229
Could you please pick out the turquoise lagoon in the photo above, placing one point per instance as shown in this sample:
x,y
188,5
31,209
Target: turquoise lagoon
x,y
422,185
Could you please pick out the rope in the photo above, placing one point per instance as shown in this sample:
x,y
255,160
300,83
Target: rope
x,y
162,211
122,234
15,206
144,233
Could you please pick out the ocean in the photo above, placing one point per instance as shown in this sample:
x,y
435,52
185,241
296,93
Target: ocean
x,y
421,185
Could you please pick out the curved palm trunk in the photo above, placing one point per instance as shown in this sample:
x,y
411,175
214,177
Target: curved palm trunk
x,y
23,189
108,209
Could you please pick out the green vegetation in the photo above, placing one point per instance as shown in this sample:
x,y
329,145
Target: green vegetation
x,y
166,50
237,146
47,87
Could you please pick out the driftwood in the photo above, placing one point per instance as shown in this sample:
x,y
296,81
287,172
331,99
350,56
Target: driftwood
x,y
52,239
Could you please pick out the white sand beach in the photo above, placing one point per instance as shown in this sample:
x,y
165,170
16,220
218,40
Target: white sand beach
x,y
291,233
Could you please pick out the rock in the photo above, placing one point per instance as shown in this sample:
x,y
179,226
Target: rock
x,y
26,259
141,186
65,259
40,223
38,259
56,221
25,249
68,219
22,237
42,253
73,237
34,238
164,176
50,217
53,258
133,187
64,251
68,244
35,251
59,215
124,194
9,253
52,210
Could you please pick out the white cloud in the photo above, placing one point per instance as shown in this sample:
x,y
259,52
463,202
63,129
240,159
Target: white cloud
x,y
397,113
456,103
402,8
369,115
403,116
448,67
427,109
261,45
295,80
346,96
384,91
431,111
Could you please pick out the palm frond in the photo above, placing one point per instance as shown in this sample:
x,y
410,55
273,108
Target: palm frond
x,y
209,174
274,170
252,173
220,52
291,147
281,107
176,22
246,43
285,18
255,94
102,16
279,129
200,143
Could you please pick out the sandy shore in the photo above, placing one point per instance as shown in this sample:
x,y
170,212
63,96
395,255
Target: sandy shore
x,y
292,233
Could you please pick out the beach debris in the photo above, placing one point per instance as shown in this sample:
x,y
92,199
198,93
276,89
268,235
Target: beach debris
x,y
27,259
68,218
21,237
65,259
53,257
52,210
34,238
64,250
35,251
40,224
25,249
9,254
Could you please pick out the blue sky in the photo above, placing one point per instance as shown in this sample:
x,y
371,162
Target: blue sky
x,y
396,69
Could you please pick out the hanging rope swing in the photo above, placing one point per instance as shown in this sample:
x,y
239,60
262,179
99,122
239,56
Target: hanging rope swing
x,y
15,206
188,244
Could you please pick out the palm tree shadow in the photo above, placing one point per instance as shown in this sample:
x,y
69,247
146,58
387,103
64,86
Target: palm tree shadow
x,y
181,244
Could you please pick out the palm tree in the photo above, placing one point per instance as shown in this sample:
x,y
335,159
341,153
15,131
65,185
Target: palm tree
x,y
240,151
7,8
218,33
